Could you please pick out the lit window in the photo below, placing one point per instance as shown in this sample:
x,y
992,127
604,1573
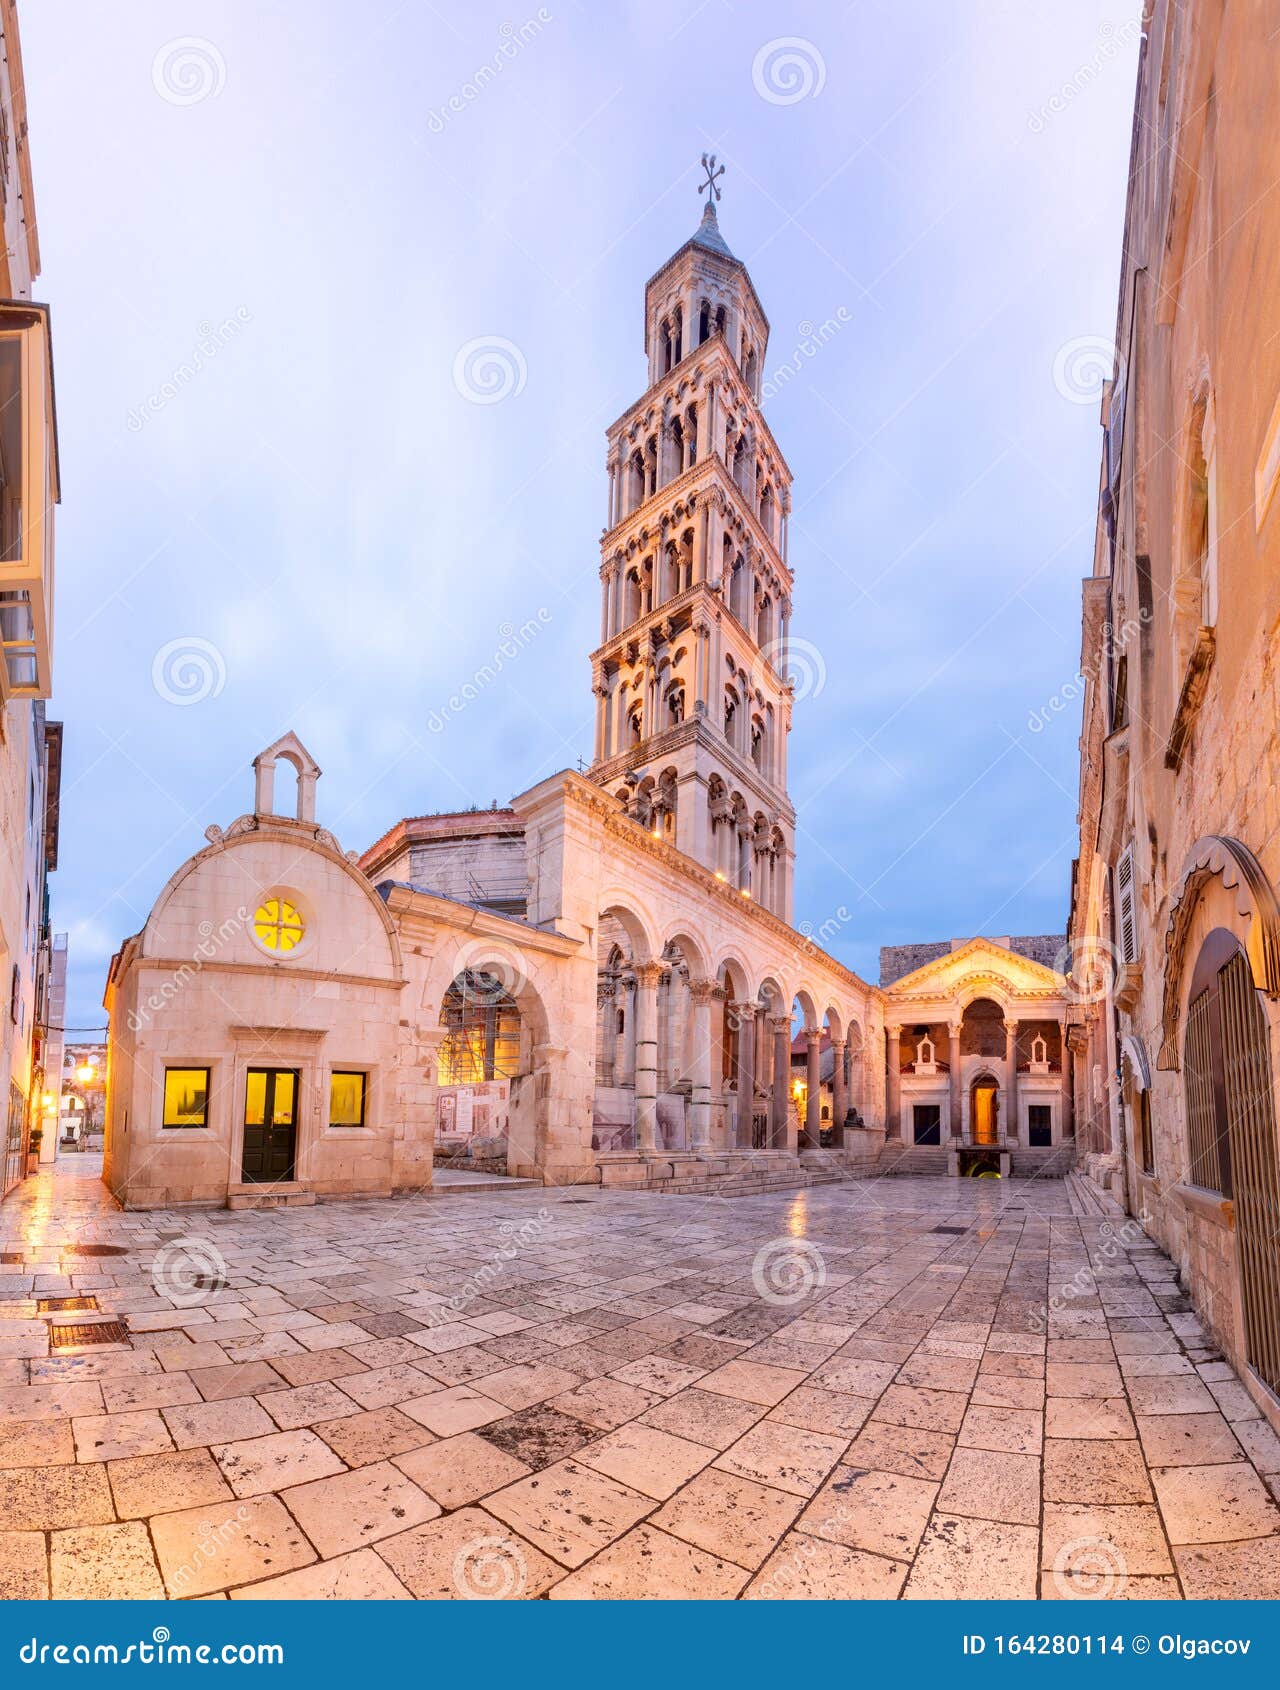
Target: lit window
x,y
277,925
186,1097
346,1099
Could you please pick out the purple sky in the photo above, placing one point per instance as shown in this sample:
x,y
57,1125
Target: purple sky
x,y
267,234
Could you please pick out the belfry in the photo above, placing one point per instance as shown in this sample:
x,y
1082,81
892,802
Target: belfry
x,y
692,702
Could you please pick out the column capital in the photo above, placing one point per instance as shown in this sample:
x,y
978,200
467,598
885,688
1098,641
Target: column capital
x,y
649,973
779,1023
812,1037
1011,1024
703,991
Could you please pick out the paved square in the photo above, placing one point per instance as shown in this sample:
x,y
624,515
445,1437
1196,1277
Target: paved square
x,y
568,1393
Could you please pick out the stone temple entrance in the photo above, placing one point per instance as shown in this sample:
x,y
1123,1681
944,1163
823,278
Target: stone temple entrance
x,y
983,1111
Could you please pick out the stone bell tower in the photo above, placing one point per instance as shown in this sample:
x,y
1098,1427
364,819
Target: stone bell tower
x,y
693,706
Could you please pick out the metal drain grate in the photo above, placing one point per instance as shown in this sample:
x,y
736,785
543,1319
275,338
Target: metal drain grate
x,y
955,1229
94,1250
67,1337
64,1305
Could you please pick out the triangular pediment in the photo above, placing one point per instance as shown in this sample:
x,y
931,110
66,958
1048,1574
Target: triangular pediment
x,y
974,963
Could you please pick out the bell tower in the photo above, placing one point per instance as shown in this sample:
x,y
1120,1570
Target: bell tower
x,y
693,706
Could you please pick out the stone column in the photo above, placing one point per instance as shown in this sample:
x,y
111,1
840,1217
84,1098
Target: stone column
x,y
601,693
839,1091
746,1016
893,1088
647,976
780,1094
1011,1128
701,993
955,1088
811,1138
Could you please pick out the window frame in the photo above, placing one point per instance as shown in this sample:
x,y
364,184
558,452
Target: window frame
x,y
362,1074
166,1125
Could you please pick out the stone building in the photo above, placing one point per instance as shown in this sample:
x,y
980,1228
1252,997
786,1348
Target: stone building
x,y
976,1042
30,745
1174,914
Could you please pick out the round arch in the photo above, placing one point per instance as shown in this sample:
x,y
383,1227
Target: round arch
x,y
1222,885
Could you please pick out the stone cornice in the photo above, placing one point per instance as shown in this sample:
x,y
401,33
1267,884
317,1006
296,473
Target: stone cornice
x,y
690,482
420,913
594,800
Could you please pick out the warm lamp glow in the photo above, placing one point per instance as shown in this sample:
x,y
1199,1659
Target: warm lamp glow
x,y
719,876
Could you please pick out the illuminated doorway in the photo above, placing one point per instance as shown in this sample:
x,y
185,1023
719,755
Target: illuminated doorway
x,y
983,1112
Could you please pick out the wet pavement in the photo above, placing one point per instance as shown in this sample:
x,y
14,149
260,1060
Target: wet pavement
x,y
906,1387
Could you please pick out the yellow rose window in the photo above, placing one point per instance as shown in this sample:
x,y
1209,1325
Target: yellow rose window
x,y
277,925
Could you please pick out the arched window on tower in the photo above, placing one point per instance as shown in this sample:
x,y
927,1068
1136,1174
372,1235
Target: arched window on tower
x,y
768,513
731,716
757,742
721,321
691,436
632,606
664,349
764,621
635,724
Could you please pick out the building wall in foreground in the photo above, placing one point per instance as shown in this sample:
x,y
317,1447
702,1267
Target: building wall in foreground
x,y
1180,769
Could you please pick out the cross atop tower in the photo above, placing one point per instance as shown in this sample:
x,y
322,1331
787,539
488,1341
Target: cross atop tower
x,y
709,165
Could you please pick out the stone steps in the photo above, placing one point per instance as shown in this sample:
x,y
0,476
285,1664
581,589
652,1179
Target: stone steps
x,y
1088,1202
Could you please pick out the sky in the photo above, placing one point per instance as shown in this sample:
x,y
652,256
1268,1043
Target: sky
x,y
344,298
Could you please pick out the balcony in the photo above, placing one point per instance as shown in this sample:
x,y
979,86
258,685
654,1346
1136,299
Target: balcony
x,y
28,493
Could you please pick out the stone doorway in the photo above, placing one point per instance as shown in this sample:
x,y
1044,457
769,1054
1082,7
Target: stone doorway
x,y
983,1111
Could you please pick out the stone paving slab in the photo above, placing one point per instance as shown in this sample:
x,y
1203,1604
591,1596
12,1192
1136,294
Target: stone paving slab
x,y
792,1395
